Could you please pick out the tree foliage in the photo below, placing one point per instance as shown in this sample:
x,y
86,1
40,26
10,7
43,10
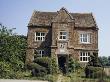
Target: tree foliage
x,y
12,50
105,60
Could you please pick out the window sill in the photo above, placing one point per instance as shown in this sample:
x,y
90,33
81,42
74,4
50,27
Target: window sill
x,y
84,61
84,43
62,40
39,41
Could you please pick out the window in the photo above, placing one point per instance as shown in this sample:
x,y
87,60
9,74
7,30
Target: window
x,y
84,56
39,36
63,35
85,38
39,52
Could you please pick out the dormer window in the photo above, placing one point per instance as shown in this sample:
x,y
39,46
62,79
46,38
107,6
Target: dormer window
x,y
63,35
40,36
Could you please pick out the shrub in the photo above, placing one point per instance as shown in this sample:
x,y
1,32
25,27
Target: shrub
x,y
54,66
93,72
37,70
5,69
73,65
44,61
43,65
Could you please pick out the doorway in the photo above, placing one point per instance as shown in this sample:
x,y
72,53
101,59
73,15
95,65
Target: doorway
x,y
62,62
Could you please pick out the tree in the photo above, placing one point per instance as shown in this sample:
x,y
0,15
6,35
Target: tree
x,y
105,60
12,49
108,60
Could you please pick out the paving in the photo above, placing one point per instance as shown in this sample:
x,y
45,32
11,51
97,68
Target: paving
x,y
11,80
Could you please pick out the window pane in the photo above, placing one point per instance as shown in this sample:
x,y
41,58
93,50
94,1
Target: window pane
x,y
84,59
42,52
38,38
85,35
42,34
88,53
81,59
60,37
83,53
37,34
61,33
85,39
64,33
81,35
64,37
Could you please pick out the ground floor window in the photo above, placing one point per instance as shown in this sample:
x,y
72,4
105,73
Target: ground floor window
x,y
39,53
84,56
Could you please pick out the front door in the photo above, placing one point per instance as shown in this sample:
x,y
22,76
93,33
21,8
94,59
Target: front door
x,y
62,62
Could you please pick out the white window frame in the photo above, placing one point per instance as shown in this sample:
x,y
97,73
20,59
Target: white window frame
x,y
84,56
40,37
84,38
61,37
40,52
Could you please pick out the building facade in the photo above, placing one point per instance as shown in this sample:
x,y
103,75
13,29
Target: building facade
x,y
63,35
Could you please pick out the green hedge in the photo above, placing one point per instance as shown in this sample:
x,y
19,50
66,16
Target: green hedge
x,y
94,72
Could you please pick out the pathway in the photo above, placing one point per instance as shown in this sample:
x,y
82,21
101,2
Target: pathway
x,y
11,80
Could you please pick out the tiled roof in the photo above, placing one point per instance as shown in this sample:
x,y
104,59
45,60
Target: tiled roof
x,y
45,19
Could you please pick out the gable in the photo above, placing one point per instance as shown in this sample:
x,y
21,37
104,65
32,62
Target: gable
x,y
63,16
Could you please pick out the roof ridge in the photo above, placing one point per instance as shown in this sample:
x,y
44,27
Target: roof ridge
x,y
45,18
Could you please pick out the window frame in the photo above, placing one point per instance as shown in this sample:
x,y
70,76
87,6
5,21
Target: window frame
x,y
85,38
63,35
39,37
84,56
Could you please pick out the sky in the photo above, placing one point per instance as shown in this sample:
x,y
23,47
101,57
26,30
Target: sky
x,y
17,13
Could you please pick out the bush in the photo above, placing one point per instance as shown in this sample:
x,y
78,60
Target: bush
x,y
94,72
44,61
37,70
43,65
54,66
73,65
5,69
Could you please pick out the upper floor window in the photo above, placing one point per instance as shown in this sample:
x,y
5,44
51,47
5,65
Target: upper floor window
x,y
63,35
39,53
84,56
85,38
39,36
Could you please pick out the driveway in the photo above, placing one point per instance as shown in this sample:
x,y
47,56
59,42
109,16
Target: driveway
x,y
11,80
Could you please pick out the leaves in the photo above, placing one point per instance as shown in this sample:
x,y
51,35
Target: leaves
x,y
12,50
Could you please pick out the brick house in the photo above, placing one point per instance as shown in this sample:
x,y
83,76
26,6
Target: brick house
x,y
62,34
